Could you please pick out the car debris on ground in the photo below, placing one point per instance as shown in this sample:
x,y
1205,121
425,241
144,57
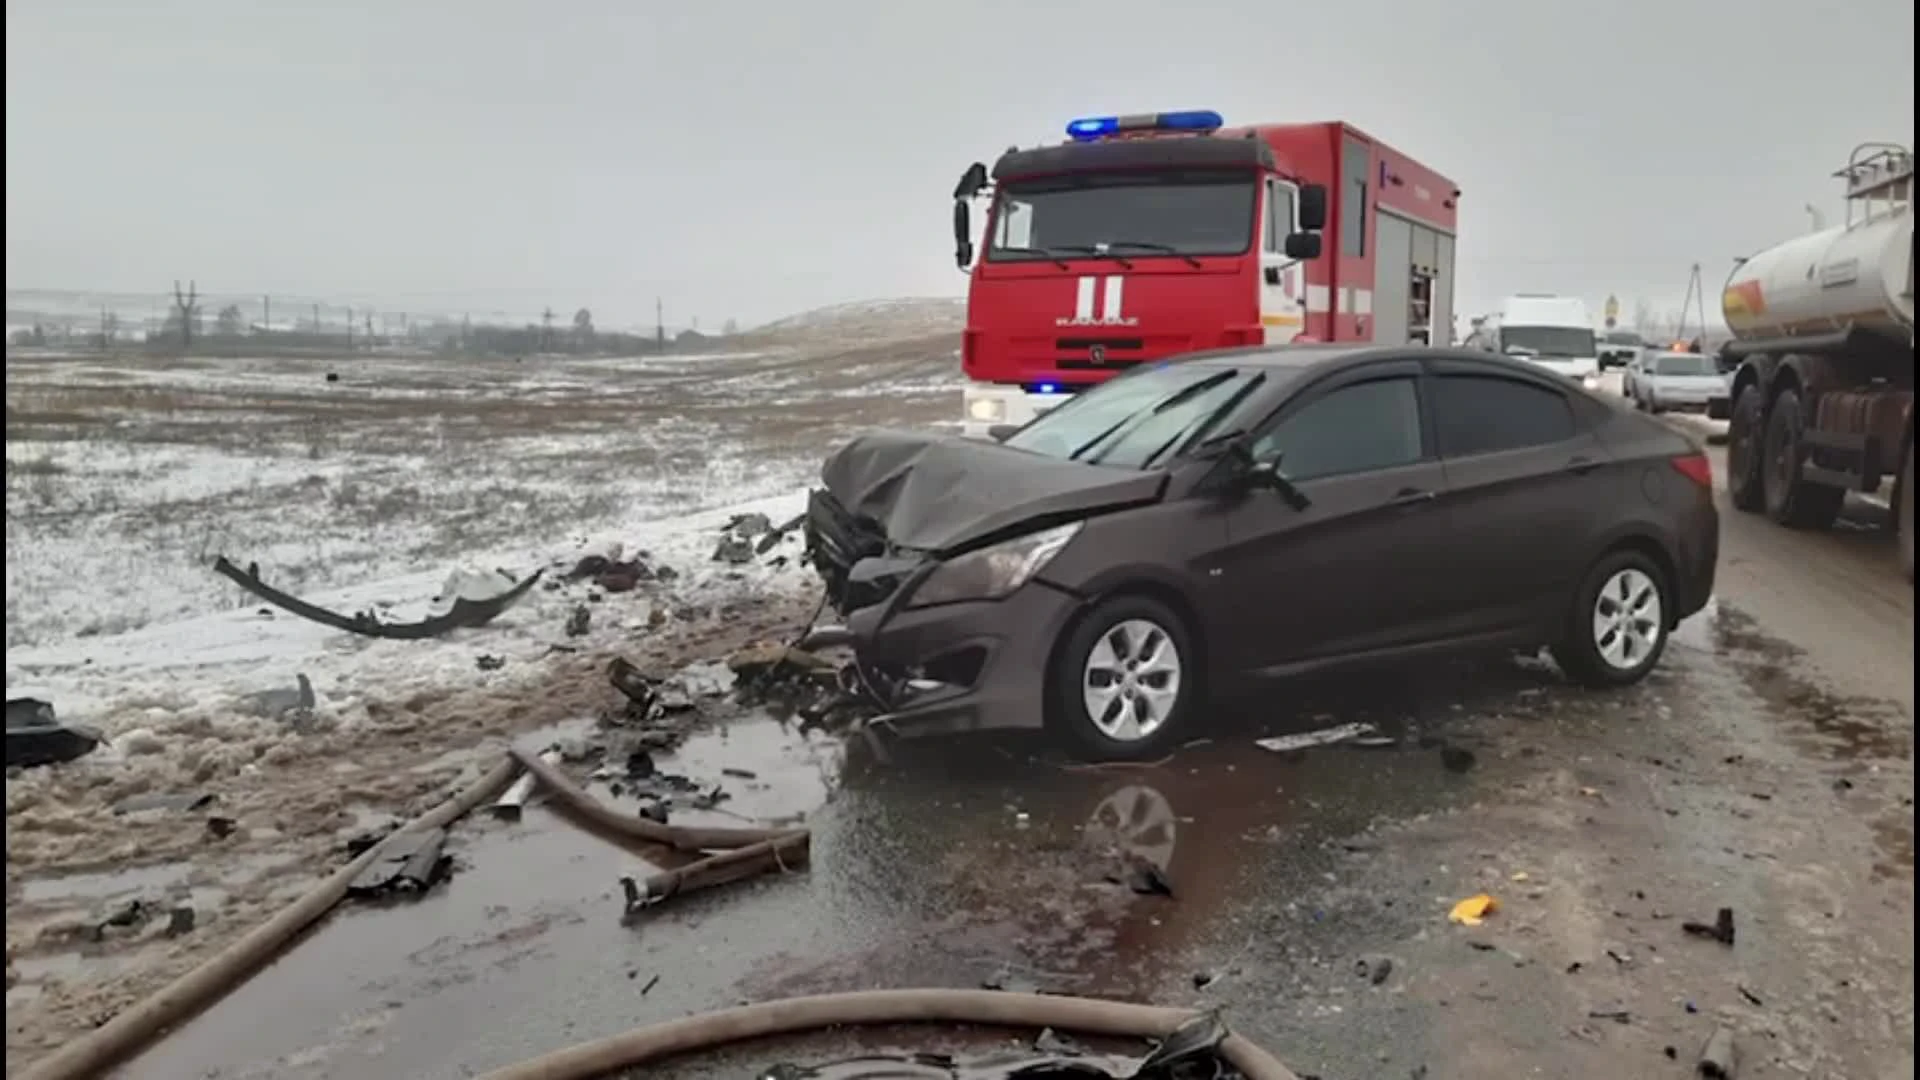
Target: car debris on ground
x,y
410,864
35,737
468,600
722,854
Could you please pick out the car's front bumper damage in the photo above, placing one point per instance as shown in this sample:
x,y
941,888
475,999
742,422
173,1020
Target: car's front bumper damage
x,y
961,666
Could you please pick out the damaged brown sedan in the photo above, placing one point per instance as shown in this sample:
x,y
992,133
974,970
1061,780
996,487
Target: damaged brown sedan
x,y
1200,525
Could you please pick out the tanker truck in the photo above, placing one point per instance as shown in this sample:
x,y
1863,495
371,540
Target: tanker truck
x,y
1820,399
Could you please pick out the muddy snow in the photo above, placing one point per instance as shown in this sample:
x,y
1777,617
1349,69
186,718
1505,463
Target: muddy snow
x,y
361,484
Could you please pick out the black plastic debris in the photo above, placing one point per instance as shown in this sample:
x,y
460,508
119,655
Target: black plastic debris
x,y
180,921
579,621
640,689
184,802
35,737
1720,930
489,662
460,613
411,863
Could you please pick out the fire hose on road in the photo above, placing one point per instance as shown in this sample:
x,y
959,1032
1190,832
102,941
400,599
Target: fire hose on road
x,y
994,1008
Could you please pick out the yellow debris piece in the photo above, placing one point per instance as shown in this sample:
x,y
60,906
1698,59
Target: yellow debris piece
x,y
1470,911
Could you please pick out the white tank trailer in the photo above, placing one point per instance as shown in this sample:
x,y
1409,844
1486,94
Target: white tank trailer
x,y
1820,399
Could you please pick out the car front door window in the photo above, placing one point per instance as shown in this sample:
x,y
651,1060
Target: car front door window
x,y
1360,428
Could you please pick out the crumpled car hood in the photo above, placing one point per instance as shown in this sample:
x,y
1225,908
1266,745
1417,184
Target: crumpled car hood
x,y
935,493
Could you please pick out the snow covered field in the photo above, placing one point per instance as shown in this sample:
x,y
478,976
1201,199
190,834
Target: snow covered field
x,y
359,484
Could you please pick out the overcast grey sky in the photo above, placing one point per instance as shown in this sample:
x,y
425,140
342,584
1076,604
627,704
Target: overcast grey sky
x,y
753,158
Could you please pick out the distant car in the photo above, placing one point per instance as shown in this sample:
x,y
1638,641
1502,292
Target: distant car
x,y
1676,382
1620,348
1191,527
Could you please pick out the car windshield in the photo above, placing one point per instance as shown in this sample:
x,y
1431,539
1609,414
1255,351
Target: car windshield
x,y
1685,364
1623,337
1140,419
1124,214
1546,341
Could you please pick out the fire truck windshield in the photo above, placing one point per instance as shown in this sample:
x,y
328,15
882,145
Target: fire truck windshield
x,y
1136,214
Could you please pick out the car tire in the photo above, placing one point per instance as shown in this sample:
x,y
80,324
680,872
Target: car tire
x,y
1744,455
1617,627
1791,500
1096,654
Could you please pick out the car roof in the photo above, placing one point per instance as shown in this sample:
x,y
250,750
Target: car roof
x,y
1320,358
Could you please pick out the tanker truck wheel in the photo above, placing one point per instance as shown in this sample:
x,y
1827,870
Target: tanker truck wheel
x,y
1791,499
1905,494
1743,452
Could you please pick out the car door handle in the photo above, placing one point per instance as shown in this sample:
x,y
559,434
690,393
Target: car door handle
x,y
1581,466
1410,497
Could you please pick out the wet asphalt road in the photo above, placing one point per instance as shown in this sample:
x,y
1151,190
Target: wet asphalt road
x,y
1765,767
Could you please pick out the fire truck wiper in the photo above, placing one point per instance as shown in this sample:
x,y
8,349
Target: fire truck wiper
x,y
1096,251
1042,252
1149,246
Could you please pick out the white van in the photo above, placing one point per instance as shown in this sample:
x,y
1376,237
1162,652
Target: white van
x,y
1555,332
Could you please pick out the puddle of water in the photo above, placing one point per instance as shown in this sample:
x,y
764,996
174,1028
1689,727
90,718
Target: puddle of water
x,y
1848,727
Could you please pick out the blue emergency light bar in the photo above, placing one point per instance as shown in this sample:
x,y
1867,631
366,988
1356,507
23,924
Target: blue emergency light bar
x,y
1086,129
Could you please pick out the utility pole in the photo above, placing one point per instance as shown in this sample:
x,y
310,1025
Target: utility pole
x,y
546,330
185,303
1696,299
349,328
266,314
660,323
316,319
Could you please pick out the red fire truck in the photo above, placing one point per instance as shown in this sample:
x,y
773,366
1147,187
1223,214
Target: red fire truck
x,y
1141,237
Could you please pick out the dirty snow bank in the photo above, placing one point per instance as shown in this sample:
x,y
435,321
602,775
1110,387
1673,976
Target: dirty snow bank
x,y
206,665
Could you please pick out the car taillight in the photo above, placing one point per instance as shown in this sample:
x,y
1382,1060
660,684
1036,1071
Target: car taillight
x,y
1696,468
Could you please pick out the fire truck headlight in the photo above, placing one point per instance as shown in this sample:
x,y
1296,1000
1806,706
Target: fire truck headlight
x,y
987,410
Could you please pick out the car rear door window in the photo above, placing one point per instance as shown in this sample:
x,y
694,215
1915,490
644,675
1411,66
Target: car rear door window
x,y
1485,414
1355,429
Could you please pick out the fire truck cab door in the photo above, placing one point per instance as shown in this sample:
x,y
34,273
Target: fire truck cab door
x,y
1282,281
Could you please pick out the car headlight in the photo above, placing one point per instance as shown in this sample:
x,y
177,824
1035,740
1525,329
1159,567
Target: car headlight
x,y
1591,382
986,410
993,572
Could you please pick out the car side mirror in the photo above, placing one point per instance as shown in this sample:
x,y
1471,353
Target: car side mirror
x,y
1302,245
1002,432
962,234
1265,475
1313,208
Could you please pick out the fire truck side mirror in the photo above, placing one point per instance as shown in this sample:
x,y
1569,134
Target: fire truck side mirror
x,y
962,234
1303,245
1313,208
972,182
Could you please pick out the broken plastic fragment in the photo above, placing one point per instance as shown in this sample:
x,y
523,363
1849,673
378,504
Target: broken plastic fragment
x,y
1322,737
1473,909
